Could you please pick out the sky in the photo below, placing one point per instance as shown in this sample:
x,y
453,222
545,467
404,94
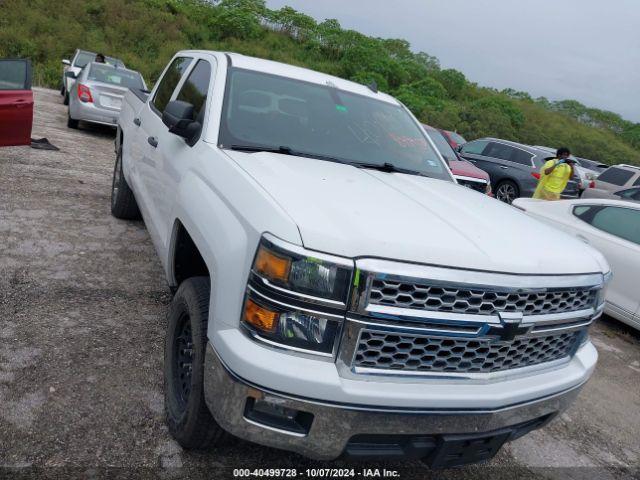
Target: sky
x,y
585,50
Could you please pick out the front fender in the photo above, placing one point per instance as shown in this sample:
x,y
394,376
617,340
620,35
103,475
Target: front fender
x,y
225,220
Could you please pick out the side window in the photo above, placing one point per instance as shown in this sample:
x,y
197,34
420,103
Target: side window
x,y
615,176
499,150
637,182
476,147
632,193
15,75
521,157
194,90
168,83
619,221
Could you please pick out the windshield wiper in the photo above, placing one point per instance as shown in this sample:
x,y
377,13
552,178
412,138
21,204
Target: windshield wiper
x,y
388,168
284,150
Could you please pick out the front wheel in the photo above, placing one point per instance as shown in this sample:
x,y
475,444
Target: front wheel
x,y
189,420
507,191
123,202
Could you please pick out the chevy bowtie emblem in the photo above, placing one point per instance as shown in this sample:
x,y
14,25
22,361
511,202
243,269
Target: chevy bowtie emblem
x,y
510,326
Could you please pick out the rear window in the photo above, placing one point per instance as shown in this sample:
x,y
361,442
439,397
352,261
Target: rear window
x,y
616,176
456,137
115,76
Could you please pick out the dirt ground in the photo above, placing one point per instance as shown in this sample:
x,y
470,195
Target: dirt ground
x,y
82,316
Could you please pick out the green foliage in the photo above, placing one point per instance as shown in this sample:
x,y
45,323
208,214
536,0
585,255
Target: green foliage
x,y
146,34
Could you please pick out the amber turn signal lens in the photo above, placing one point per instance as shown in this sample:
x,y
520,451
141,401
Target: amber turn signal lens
x,y
272,266
260,317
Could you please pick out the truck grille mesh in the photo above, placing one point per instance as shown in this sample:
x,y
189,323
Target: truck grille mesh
x,y
409,352
471,301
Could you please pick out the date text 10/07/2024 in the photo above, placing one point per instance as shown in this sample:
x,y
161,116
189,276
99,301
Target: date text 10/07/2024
x,y
316,473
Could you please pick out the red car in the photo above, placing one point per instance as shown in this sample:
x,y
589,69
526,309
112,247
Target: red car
x,y
465,173
16,102
454,139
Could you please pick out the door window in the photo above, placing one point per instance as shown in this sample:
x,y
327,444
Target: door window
x,y
631,194
499,150
15,75
521,157
637,182
169,82
195,88
475,148
616,176
619,221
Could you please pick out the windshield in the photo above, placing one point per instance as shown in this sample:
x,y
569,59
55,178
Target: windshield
x,y
115,76
441,144
264,110
85,57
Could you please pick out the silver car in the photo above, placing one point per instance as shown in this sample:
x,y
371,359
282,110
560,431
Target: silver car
x,y
75,65
96,95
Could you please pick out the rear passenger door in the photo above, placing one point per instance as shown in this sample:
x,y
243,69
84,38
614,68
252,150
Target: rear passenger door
x,y
16,102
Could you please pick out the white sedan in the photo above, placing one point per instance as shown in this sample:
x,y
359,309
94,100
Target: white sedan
x,y
613,228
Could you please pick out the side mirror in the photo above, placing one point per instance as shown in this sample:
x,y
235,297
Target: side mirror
x,y
66,62
459,148
179,117
70,75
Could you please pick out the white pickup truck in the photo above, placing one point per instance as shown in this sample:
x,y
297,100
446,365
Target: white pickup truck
x,y
336,292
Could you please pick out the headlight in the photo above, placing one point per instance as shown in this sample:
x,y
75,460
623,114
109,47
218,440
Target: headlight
x,y
302,271
296,298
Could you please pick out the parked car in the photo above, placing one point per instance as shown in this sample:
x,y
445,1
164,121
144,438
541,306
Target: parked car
x,y
454,139
96,96
513,167
78,61
335,290
16,102
464,172
597,167
615,179
585,175
629,194
612,227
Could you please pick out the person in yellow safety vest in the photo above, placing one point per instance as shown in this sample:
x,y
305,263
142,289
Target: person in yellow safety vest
x,y
554,175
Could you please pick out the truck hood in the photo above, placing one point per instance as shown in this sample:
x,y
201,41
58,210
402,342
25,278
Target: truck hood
x,y
353,212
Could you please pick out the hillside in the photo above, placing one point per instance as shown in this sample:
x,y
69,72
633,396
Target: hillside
x,y
146,33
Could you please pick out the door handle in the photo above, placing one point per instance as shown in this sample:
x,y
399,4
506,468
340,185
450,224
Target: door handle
x,y
137,121
153,141
503,167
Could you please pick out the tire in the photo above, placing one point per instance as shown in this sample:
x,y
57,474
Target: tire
x,y
123,202
71,123
507,191
187,415
66,99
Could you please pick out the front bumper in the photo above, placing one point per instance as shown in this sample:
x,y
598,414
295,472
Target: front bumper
x,y
333,425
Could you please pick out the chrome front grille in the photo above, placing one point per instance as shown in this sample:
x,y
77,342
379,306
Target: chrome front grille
x,y
433,297
417,353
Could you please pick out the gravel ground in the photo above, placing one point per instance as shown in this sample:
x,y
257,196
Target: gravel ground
x,y
82,316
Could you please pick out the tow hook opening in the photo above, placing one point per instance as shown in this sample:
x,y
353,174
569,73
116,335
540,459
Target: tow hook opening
x,y
273,416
